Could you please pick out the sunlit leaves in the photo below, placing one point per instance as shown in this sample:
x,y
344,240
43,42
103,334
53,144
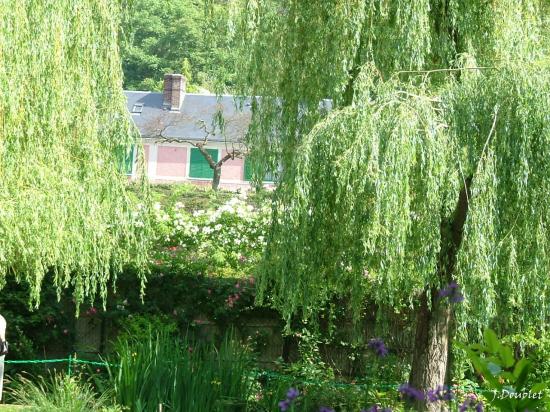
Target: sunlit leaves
x,y
366,189
63,126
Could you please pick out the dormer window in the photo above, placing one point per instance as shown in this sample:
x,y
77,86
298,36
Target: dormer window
x,y
137,108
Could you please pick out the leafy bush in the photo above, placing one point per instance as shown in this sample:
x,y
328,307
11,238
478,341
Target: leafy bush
x,y
181,374
139,327
227,240
506,377
31,333
206,248
537,348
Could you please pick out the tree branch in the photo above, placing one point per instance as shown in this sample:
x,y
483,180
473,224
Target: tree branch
x,y
231,153
458,69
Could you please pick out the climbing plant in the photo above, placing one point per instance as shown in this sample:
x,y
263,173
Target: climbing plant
x,y
412,141
64,136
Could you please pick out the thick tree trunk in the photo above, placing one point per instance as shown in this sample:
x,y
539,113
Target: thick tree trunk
x,y
433,324
431,348
217,177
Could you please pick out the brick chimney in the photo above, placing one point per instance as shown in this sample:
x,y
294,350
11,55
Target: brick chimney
x,y
174,91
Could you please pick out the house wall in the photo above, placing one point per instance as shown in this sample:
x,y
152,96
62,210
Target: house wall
x,y
169,163
233,169
146,150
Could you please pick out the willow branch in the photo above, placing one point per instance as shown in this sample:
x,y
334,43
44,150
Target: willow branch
x,y
445,70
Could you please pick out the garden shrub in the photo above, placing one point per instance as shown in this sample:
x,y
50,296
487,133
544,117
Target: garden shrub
x,y
227,239
207,256
507,379
537,348
32,333
60,393
181,374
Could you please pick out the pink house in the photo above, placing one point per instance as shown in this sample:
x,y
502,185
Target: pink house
x,y
171,123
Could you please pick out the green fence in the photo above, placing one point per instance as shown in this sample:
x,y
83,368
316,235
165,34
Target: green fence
x,y
268,374
71,361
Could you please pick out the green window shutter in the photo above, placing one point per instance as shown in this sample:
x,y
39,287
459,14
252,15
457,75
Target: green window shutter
x,y
125,159
199,167
247,170
129,161
268,177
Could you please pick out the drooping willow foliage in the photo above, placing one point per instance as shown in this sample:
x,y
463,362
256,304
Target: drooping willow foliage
x,y
366,189
64,132
295,53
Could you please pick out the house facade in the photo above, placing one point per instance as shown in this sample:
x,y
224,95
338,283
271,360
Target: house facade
x,y
174,123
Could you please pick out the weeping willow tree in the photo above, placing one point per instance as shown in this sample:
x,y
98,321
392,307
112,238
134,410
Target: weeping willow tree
x,y
64,132
431,166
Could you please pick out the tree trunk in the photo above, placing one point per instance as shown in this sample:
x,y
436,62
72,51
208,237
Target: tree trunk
x,y
431,348
433,324
217,177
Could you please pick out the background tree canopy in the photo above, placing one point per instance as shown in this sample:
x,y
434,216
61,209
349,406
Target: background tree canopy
x,y
177,36
64,135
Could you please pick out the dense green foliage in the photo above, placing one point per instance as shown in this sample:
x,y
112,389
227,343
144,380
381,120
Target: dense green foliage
x,y
367,189
177,36
507,377
64,132
181,374
60,393
33,332
204,282
190,375
205,246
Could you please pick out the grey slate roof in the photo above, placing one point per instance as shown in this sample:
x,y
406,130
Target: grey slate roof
x,y
196,111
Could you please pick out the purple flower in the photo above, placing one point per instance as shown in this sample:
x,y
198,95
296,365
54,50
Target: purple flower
x,y
284,405
431,396
471,402
376,408
292,394
447,395
410,393
441,393
452,291
378,346
457,298
325,409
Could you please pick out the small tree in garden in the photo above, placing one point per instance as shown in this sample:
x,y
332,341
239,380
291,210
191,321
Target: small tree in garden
x,y
431,168
216,166
234,149
64,136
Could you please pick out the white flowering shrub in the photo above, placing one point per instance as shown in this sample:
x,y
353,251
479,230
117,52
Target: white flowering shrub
x,y
227,240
